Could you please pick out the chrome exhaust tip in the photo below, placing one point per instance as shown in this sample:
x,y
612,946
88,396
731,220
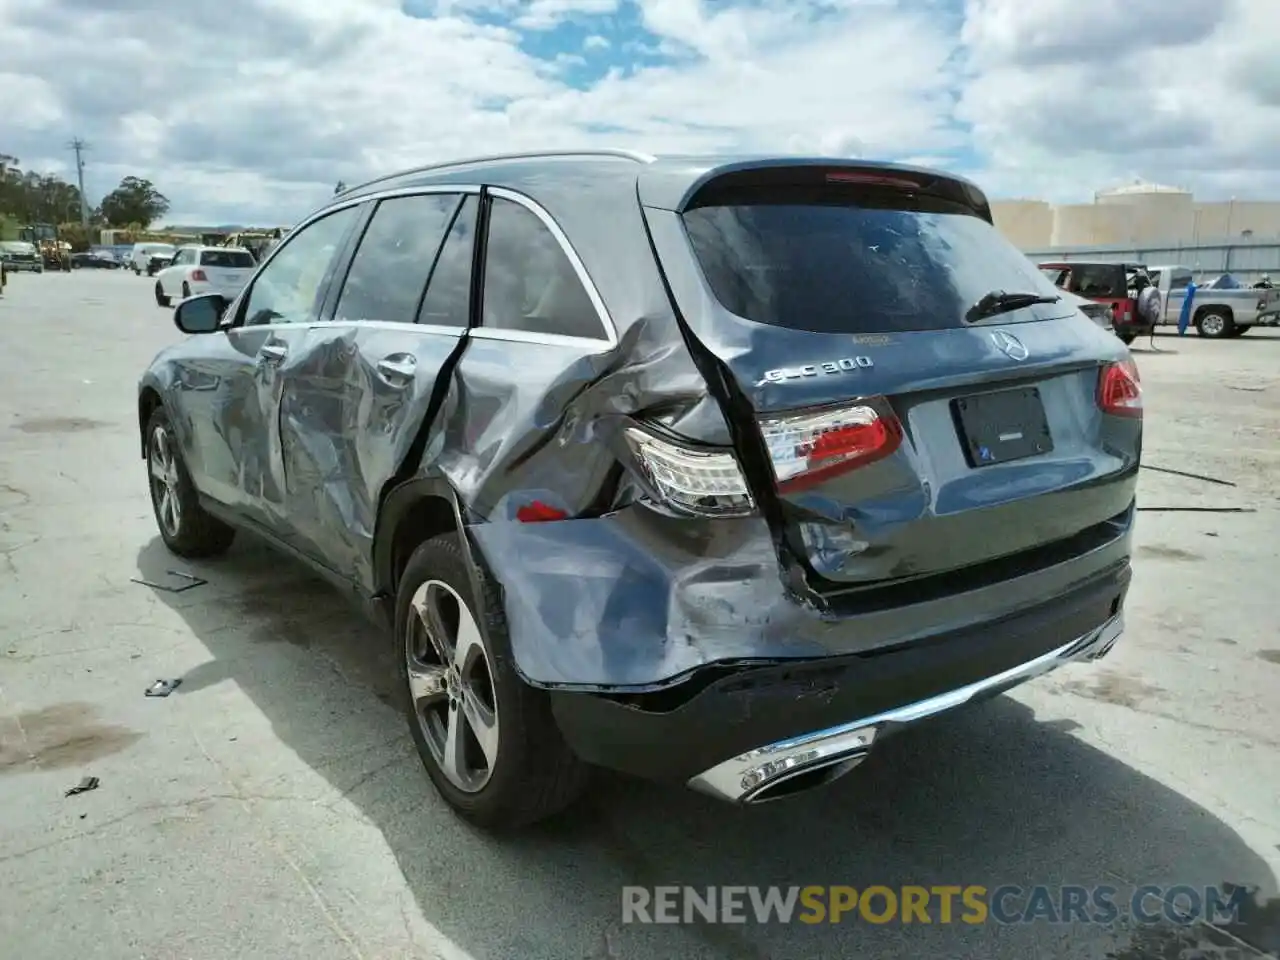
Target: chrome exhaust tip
x,y
811,760
804,779
786,768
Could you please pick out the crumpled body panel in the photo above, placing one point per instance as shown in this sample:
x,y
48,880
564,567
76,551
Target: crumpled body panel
x,y
636,598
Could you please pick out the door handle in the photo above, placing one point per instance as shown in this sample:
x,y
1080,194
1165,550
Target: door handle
x,y
398,368
273,352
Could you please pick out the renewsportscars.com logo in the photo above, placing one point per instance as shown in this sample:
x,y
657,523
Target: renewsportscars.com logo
x,y
940,904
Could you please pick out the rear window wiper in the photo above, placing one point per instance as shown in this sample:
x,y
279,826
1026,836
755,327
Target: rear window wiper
x,y
998,301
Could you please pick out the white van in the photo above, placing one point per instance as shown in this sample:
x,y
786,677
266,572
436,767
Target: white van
x,y
143,252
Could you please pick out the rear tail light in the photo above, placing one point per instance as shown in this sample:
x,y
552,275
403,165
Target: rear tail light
x,y
1120,390
807,448
539,512
699,482
199,276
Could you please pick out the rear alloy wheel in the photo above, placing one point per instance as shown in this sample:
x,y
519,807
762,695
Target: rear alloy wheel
x,y
1214,325
161,299
488,740
186,528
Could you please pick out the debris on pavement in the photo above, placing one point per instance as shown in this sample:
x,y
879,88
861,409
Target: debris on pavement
x,y
84,786
162,688
1189,476
1197,509
186,581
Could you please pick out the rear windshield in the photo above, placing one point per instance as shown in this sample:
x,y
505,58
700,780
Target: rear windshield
x,y
226,258
1098,280
848,268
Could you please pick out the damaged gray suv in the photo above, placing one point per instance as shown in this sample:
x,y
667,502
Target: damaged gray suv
x,y
710,471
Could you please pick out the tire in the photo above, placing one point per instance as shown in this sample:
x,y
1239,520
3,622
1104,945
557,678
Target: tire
x,y
1127,338
161,299
191,532
186,290
529,771
1214,325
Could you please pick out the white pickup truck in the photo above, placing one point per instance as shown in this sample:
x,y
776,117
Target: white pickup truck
x,y
1214,312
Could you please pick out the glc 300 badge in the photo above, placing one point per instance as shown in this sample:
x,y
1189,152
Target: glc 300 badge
x,y
843,365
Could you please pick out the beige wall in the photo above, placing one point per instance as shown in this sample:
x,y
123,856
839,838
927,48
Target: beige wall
x,y
1027,223
1087,224
1231,219
1133,219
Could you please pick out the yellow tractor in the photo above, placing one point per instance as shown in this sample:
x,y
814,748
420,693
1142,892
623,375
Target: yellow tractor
x,y
54,253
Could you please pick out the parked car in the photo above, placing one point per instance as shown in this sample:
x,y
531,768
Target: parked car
x,y
21,256
1105,283
143,253
1222,310
712,471
95,260
196,270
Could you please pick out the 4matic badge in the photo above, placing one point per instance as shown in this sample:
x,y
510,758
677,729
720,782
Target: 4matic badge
x,y
843,365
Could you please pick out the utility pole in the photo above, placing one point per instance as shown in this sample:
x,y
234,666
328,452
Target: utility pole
x,y
80,147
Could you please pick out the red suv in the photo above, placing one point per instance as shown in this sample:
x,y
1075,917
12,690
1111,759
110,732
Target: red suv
x,y
1106,283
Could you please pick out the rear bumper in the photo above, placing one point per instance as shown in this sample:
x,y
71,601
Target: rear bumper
x,y
808,714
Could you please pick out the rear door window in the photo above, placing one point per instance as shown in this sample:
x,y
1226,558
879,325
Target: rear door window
x,y
529,282
234,259
841,267
448,299
389,271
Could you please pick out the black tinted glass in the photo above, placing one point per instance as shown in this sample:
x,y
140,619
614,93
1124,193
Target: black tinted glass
x,y
846,268
390,269
448,299
240,259
529,282
1099,280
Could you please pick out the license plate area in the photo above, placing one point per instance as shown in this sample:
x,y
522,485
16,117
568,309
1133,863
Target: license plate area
x,y
1002,427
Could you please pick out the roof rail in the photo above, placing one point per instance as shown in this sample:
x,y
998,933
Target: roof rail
x,y
621,154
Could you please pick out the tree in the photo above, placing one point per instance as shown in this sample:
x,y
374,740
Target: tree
x,y
30,197
134,201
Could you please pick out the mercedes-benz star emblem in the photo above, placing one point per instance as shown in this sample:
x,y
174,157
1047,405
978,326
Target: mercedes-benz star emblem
x,y
1010,345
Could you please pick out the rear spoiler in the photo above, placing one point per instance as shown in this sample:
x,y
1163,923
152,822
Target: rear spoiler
x,y
679,187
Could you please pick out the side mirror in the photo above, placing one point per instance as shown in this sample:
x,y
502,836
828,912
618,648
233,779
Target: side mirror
x,y
201,314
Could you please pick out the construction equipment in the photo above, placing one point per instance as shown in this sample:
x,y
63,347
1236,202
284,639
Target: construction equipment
x,y
54,253
257,242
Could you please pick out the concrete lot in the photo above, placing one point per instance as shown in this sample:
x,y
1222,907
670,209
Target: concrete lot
x,y
273,806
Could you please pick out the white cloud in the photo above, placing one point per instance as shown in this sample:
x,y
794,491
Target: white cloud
x,y
541,14
1066,95
252,109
